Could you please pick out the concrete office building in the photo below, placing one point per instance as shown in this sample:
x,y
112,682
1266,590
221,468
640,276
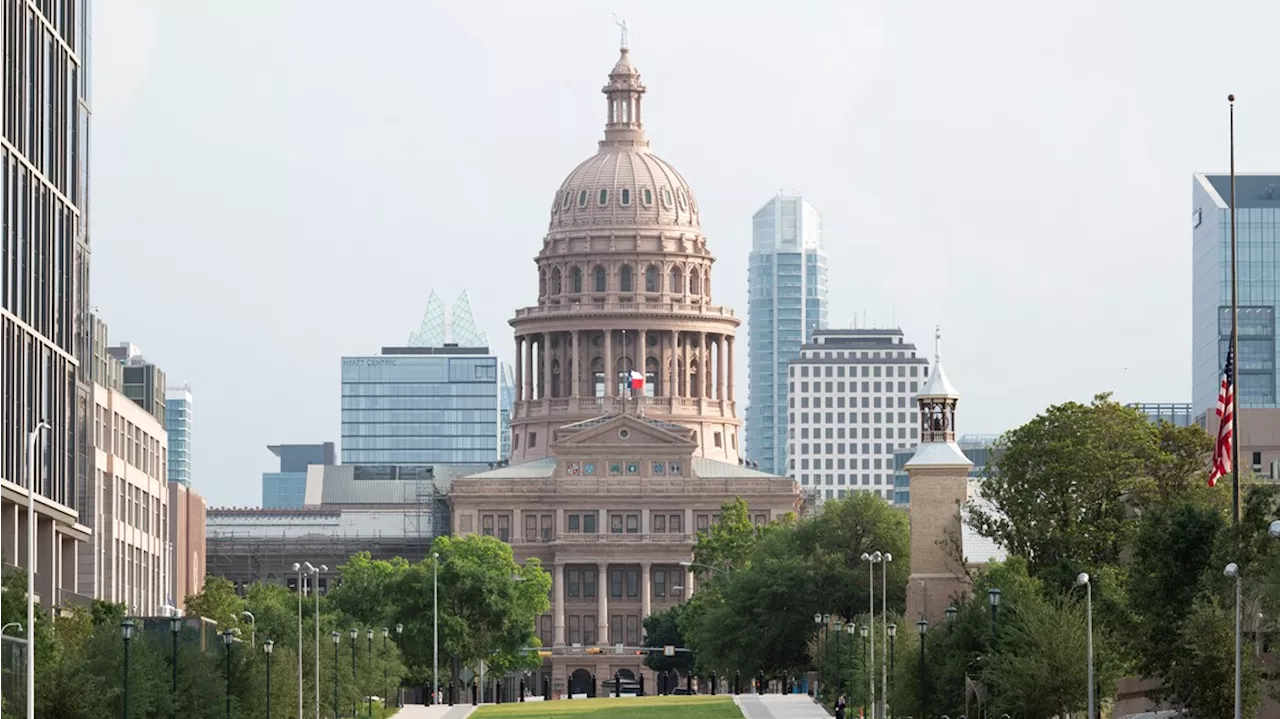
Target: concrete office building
x,y
787,303
187,512
1178,414
45,367
608,481
421,405
177,423
850,405
288,486
130,560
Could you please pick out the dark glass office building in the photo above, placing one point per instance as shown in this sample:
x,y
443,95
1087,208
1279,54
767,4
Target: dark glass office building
x,y
45,356
421,405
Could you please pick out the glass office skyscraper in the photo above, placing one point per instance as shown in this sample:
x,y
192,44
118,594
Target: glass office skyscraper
x,y
787,301
288,487
1258,238
421,405
177,424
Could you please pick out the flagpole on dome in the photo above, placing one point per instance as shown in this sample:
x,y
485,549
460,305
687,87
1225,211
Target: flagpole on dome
x,y
1236,438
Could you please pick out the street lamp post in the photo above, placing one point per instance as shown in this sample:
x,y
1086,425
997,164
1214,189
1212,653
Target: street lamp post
x,y
872,560
253,629
369,698
849,629
1233,571
227,638
301,591
175,627
892,631
951,617
922,626
315,589
32,439
267,646
1083,579
400,690
822,641
337,639
435,625
865,632
126,633
839,627
354,633
386,686
884,607
993,598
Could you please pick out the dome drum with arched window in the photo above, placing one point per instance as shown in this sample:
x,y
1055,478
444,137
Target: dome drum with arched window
x,y
624,286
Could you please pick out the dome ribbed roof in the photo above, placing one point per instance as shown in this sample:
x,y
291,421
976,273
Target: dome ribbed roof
x,y
624,184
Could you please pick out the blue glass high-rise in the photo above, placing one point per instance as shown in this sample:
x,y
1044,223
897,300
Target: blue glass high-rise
x,y
1258,243
787,301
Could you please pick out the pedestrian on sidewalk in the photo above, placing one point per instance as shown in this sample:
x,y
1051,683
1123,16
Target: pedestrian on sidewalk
x,y
840,707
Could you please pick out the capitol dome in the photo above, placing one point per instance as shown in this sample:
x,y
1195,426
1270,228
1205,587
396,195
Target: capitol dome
x,y
624,184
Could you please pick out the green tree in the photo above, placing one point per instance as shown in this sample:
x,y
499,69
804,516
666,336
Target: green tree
x,y
1037,669
662,629
367,592
1202,680
217,601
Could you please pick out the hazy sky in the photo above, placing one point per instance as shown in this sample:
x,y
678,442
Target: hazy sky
x,y
277,184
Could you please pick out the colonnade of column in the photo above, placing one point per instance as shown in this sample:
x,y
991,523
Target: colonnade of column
x,y
677,363
559,602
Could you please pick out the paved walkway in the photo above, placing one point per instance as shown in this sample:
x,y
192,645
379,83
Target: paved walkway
x,y
440,711
779,706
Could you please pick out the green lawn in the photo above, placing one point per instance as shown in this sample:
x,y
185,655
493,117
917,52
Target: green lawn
x,y
668,707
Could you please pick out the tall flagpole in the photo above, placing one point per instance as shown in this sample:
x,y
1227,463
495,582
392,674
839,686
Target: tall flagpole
x,y
1235,333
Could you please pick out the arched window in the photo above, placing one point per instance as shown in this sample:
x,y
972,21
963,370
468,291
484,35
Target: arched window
x,y
599,283
706,282
677,280
556,287
624,279
542,283
576,280
695,281
652,280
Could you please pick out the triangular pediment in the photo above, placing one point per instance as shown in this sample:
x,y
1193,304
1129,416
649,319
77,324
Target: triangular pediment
x,y
622,430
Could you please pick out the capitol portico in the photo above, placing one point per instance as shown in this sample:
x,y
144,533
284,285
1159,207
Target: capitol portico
x,y
608,484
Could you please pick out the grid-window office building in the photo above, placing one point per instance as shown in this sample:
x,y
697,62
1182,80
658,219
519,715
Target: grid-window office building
x,y
851,405
45,325
421,405
978,448
1258,237
787,302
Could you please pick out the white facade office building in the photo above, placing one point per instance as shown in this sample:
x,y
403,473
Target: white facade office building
x,y
850,406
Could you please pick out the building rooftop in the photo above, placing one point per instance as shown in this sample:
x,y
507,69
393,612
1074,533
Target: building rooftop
x,y
1252,191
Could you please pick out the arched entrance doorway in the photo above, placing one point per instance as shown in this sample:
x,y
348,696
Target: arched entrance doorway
x,y
581,682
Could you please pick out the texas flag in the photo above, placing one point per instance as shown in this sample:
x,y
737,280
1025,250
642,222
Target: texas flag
x,y
635,380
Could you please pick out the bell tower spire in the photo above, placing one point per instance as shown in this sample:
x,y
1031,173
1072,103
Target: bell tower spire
x,y
623,126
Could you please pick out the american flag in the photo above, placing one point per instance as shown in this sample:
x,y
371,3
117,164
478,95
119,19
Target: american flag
x,y
1226,424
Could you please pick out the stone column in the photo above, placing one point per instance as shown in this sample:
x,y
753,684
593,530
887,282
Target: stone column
x,y
671,386
688,370
705,367
610,372
558,577
729,343
544,348
529,367
576,380
602,592
645,594
720,368
642,353
519,371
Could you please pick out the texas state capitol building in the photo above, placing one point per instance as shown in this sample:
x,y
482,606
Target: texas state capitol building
x,y
606,487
